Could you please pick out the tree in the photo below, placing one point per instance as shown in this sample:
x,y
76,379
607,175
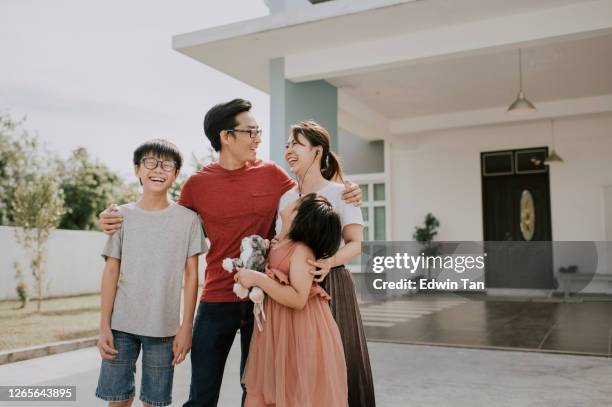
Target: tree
x,y
88,187
126,193
210,157
175,190
38,208
20,159
197,164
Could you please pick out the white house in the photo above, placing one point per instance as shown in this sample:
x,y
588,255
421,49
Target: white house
x,y
416,93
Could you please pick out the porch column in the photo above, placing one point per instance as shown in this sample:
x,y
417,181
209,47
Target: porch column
x,y
293,102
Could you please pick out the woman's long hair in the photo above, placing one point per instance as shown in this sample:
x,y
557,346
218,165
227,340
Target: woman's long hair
x,y
317,135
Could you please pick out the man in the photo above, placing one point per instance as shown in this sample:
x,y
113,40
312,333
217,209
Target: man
x,y
236,196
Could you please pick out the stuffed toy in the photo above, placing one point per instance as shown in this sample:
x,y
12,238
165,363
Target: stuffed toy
x,y
252,256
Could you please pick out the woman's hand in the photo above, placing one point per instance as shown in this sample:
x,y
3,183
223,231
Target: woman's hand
x,y
324,266
247,277
110,220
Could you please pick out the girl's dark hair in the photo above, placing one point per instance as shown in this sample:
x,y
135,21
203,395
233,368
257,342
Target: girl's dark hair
x,y
317,225
317,135
161,148
223,117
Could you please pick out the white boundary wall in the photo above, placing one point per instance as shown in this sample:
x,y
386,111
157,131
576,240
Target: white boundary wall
x,y
74,264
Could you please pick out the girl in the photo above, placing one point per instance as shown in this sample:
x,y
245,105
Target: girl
x,y
298,359
317,169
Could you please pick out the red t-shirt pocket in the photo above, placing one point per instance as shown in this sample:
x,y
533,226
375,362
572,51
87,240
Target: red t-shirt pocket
x,y
264,203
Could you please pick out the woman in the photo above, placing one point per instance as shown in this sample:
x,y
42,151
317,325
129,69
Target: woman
x,y
318,170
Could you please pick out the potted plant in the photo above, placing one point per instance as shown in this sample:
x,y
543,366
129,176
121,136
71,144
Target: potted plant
x,y
425,236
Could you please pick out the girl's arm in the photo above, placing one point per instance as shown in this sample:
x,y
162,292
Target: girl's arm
x,y
294,295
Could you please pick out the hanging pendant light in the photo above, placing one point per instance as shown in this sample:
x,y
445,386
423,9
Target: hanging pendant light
x,y
553,157
521,105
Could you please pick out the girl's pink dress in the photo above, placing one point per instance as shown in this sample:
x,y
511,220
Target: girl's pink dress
x,y
298,359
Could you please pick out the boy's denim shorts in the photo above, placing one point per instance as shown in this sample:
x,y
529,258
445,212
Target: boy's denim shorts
x,y
116,382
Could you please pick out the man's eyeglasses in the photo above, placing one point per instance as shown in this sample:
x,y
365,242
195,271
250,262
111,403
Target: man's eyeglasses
x,y
151,163
253,133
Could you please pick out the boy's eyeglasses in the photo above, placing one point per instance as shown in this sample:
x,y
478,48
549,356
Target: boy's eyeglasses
x,y
253,133
151,163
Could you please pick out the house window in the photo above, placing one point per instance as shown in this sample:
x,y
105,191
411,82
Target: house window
x,y
374,206
523,161
374,210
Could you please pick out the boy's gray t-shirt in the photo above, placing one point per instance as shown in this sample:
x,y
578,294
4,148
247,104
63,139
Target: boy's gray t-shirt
x,y
153,247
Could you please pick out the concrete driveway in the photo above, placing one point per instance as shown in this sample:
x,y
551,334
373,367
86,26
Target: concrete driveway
x,y
405,375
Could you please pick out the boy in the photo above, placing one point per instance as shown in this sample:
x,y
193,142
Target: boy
x,y
141,284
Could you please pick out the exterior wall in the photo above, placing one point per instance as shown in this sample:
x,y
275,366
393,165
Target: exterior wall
x,y
430,171
293,102
74,264
360,156
608,211
439,172
278,122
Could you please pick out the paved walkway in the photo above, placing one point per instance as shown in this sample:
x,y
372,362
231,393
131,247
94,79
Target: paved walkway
x,y
405,375
560,327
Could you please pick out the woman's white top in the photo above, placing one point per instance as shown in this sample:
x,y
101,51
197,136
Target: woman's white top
x,y
349,214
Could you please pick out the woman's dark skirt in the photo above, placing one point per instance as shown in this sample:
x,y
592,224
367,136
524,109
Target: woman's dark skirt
x,y
345,309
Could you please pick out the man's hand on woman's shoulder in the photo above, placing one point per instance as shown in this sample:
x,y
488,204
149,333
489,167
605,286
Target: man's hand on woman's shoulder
x,y
352,193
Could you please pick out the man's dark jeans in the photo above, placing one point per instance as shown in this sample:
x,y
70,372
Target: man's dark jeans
x,y
213,334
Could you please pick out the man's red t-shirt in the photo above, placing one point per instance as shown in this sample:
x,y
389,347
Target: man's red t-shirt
x,y
233,204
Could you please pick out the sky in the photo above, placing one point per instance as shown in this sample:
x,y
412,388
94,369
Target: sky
x,y
104,76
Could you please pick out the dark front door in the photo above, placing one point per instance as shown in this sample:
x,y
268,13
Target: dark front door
x,y
516,215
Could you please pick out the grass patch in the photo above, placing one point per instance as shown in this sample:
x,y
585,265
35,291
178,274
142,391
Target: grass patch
x,y
60,319
78,334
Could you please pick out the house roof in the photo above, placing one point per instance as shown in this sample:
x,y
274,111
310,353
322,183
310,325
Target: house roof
x,y
328,25
243,49
405,66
